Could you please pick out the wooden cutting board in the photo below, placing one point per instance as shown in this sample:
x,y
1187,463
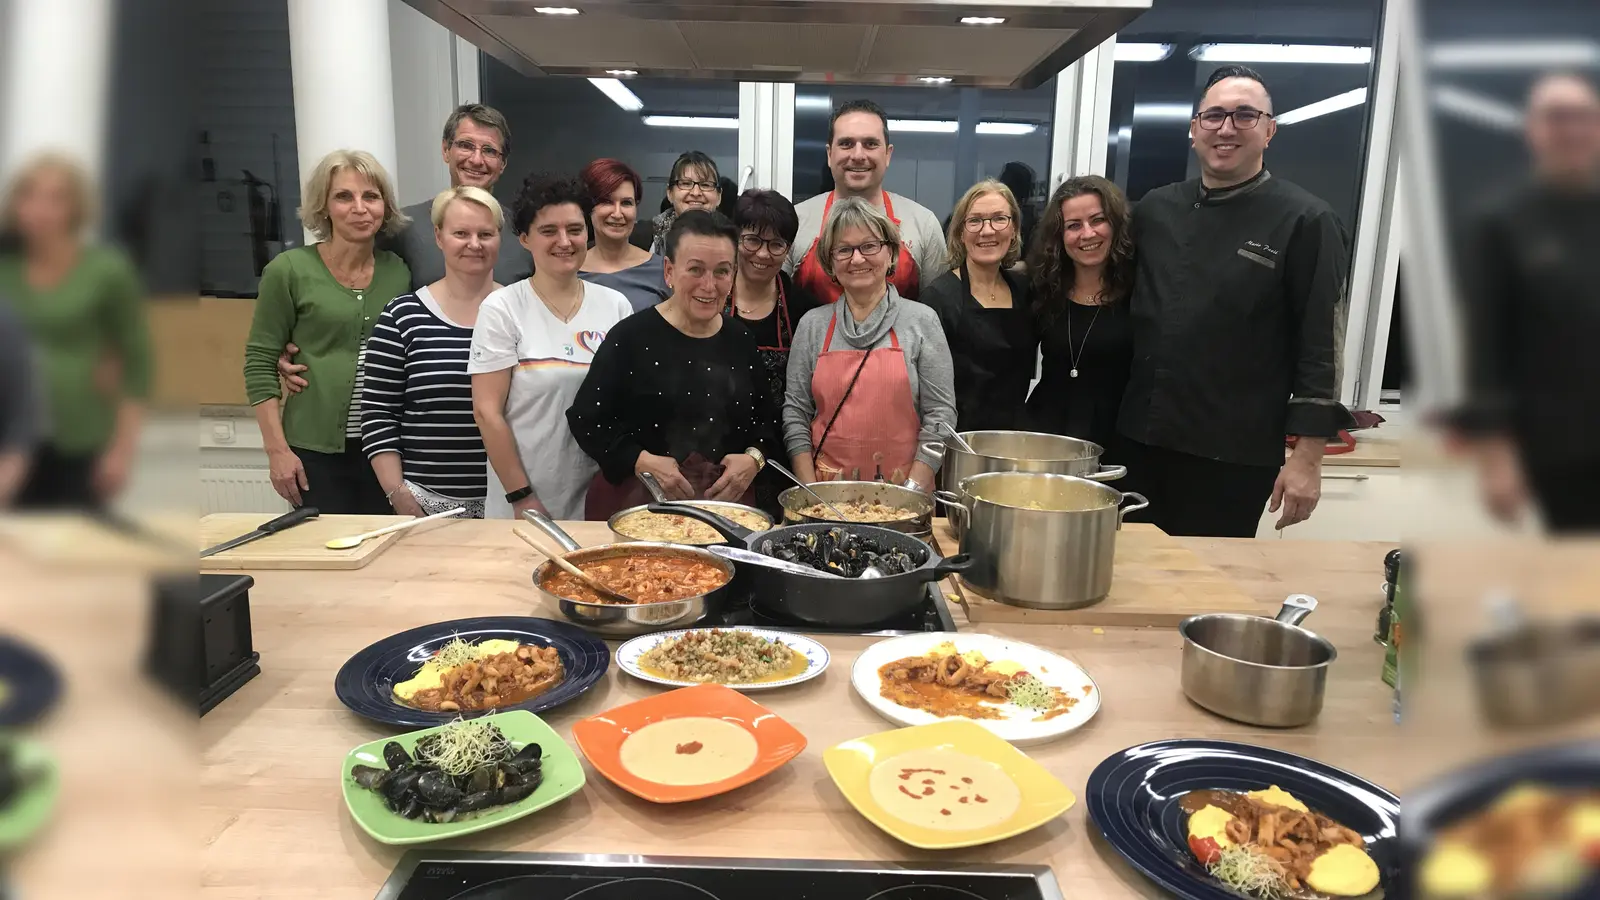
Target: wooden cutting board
x,y
300,547
1156,582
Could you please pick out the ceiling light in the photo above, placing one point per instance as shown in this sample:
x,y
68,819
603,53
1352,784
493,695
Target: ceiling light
x,y
692,122
982,20
936,79
1171,112
1142,52
1281,53
621,73
924,126
1323,107
1515,55
1478,109
555,10
813,102
619,93
1007,128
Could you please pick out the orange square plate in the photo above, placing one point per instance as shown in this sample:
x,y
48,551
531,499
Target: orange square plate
x,y
600,738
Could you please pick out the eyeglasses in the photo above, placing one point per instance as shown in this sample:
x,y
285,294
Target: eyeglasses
x,y
868,250
1243,118
685,185
752,243
467,148
999,221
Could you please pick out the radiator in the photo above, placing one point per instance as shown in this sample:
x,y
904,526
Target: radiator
x,y
238,490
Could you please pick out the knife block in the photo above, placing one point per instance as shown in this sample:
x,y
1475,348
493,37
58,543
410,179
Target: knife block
x,y
199,645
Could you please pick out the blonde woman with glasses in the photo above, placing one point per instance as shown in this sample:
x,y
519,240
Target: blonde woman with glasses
x,y
982,302
326,298
869,379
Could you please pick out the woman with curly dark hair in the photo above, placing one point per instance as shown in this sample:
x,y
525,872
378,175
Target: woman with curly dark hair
x,y
531,349
1081,273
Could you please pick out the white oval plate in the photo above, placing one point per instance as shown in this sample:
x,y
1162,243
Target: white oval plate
x,y
816,657
1016,724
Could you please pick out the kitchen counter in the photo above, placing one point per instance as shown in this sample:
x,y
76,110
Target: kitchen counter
x,y
274,823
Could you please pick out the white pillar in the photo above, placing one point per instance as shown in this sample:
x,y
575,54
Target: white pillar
x,y
55,56
343,84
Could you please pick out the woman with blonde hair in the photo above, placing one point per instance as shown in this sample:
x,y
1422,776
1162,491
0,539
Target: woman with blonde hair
x,y
416,405
326,298
982,303
82,307
869,379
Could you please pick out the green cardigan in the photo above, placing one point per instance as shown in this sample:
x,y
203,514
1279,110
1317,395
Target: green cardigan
x,y
95,314
301,302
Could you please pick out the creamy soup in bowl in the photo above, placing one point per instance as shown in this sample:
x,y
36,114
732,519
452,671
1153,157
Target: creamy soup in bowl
x,y
693,750
944,789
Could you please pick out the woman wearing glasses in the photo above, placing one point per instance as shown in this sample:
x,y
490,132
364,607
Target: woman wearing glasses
x,y
613,262
982,304
870,378
695,183
767,301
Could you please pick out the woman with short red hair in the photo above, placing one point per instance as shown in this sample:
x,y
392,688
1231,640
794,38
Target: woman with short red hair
x,y
613,262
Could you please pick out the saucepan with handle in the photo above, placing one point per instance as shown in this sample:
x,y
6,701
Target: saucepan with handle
x,y
1253,669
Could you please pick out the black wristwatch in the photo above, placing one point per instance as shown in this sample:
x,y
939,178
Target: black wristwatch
x,y
519,493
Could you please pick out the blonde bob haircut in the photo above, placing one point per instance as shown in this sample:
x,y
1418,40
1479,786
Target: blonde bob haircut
x,y
469,194
854,212
314,208
85,207
957,247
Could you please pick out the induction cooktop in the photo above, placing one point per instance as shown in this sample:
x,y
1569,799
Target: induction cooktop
x,y
932,615
470,875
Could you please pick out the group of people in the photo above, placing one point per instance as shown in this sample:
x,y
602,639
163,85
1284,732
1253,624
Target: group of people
x,y
544,357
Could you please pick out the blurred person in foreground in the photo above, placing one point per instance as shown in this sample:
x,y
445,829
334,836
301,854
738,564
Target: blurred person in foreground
x,y
83,308
1235,308
475,147
1529,283
21,413
326,298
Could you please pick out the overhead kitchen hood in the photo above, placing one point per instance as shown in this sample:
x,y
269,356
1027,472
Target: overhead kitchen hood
x,y
1015,44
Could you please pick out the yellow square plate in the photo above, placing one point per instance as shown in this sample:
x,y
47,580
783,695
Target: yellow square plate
x,y
1042,795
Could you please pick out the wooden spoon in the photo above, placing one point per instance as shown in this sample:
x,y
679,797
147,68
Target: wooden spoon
x,y
556,554
345,543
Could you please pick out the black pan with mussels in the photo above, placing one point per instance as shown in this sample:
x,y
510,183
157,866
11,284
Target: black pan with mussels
x,y
465,768
843,551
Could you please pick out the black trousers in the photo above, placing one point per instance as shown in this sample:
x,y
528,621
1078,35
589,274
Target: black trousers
x,y
1568,495
59,481
342,483
1192,495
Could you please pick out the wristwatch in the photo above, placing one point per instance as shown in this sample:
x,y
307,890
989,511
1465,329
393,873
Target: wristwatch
x,y
912,483
758,456
519,494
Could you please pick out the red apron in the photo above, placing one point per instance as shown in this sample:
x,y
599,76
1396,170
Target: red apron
x,y
878,426
606,499
811,276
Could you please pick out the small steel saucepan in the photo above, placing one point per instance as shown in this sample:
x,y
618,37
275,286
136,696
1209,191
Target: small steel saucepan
x,y
1256,670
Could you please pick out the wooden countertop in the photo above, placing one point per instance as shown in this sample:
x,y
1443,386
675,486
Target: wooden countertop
x,y
274,823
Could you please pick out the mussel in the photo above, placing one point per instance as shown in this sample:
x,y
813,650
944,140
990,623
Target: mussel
x,y
438,790
401,784
395,755
370,778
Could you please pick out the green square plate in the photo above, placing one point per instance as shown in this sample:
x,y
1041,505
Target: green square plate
x,y
563,777
31,809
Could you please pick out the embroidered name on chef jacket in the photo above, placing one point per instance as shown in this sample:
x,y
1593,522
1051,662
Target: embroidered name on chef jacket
x,y
1259,253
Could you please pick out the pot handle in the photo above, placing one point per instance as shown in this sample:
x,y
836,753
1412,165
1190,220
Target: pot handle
x,y
1143,502
547,525
1108,473
951,499
932,448
947,566
733,531
1296,607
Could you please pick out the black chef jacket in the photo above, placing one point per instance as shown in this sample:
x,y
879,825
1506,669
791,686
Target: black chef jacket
x,y
1234,320
1531,281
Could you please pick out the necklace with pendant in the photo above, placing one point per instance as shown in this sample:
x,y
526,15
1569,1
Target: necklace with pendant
x,y
1075,356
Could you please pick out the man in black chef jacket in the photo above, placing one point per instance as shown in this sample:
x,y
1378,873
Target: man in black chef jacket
x,y
1241,281
1531,286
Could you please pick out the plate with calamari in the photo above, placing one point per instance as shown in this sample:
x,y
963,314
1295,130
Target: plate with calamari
x,y
1022,693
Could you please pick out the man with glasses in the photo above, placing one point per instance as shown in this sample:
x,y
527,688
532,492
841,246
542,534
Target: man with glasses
x,y
1236,316
1533,310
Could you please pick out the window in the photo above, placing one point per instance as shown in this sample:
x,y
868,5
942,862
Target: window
x,y
945,139
561,124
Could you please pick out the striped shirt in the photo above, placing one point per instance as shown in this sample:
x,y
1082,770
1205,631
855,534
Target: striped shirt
x,y
417,398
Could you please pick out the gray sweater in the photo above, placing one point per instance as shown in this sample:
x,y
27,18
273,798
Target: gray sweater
x,y
22,416
927,356
418,249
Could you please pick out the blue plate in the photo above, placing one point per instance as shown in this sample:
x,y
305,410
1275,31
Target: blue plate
x,y
366,682
1461,793
1132,797
29,684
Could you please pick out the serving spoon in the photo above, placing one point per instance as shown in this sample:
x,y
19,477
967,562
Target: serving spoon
x,y
960,441
557,554
345,543
807,488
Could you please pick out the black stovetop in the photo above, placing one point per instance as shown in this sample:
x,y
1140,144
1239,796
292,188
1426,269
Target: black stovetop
x,y
467,875
932,615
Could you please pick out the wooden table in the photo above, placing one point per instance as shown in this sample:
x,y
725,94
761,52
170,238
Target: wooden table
x,y
274,823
